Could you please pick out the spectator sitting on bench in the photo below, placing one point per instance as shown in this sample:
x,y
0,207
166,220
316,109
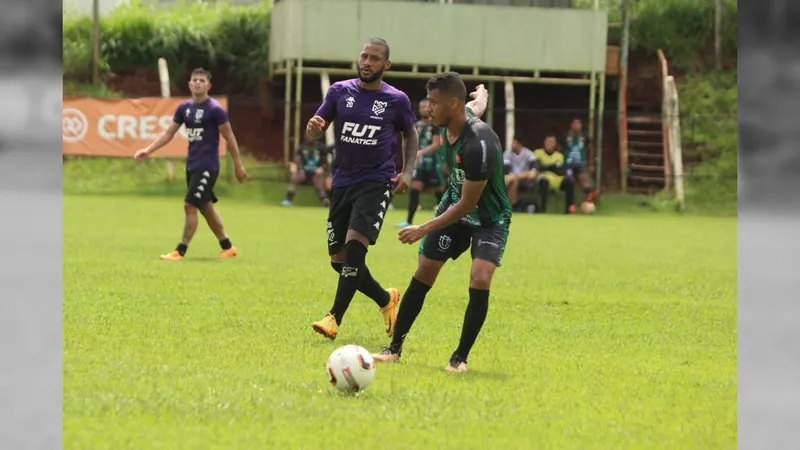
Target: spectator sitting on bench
x,y
553,174
521,170
308,167
576,148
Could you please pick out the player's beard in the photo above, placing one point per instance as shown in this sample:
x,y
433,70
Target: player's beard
x,y
377,75
440,120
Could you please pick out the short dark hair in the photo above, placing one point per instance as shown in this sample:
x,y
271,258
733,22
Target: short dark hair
x,y
449,83
550,135
380,41
201,71
517,138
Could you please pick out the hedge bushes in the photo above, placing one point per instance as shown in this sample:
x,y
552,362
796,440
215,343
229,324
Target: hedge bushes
x,y
684,29
233,39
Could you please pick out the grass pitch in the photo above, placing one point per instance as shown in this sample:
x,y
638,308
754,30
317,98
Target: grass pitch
x,y
603,332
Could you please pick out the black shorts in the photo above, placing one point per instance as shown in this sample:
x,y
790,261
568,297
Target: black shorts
x,y
200,187
429,177
308,176
488,242
576,169
360,207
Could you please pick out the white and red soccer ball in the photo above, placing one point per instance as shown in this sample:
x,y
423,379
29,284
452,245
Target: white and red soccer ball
x,y
351,368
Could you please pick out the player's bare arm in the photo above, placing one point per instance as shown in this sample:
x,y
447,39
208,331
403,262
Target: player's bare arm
x,y
435,144
160,141
316,127
233,145
533,171
480,100
410,146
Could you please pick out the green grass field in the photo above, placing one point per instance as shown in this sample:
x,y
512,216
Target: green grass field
x,y
614,332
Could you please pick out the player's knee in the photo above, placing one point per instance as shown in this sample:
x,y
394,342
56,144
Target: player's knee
x,y
427,270
189,209
353,235
337,265
480,277
355,253
337,258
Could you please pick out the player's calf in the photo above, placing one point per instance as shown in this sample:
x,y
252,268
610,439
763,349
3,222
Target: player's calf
x,y
481,276
189,228
568,186
411,306
319,184
214,222
368,286
296,180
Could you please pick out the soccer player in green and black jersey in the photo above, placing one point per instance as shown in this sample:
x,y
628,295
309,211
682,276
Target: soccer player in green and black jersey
x,y
474,212
308,167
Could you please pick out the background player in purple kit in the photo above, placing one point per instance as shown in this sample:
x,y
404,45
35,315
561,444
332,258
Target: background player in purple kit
x,y
368,115
205,119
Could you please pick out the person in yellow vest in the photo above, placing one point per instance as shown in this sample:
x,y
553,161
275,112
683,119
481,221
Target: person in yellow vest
x,y
553,174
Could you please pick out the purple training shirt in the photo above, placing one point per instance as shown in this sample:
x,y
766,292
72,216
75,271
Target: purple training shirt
x,y
202,121
366,124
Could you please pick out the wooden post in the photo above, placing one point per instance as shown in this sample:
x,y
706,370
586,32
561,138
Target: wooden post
x,y
96,42
622,101
163,76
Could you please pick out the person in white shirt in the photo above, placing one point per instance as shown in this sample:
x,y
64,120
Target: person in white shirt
x,y
522,170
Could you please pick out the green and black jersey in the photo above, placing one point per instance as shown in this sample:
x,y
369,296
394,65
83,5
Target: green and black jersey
x,y
477,155
426,130
311,157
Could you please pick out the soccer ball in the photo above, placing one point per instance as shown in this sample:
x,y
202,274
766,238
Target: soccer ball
x,y
588,207
351,368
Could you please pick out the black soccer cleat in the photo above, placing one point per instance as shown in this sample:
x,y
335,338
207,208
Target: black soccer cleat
x,y
456,364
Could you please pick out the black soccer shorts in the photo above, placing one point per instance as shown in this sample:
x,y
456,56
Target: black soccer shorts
x,y
488,242
360,207
308,177
430,178
200,187
576,169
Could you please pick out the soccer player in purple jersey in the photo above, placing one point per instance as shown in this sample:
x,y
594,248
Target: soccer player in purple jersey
x,y
204,118
368,114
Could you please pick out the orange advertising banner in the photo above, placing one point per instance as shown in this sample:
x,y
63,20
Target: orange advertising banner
x,y
120,127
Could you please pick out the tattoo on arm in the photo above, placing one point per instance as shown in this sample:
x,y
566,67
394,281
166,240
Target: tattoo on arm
x,y
410,146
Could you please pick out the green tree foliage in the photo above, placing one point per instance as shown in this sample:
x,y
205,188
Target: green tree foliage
x,y
684,30
232,39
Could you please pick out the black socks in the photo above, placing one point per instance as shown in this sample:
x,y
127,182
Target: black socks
x,y
369,286
181,248
349,278
413,204
410,307
473,321
225,244
568,185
